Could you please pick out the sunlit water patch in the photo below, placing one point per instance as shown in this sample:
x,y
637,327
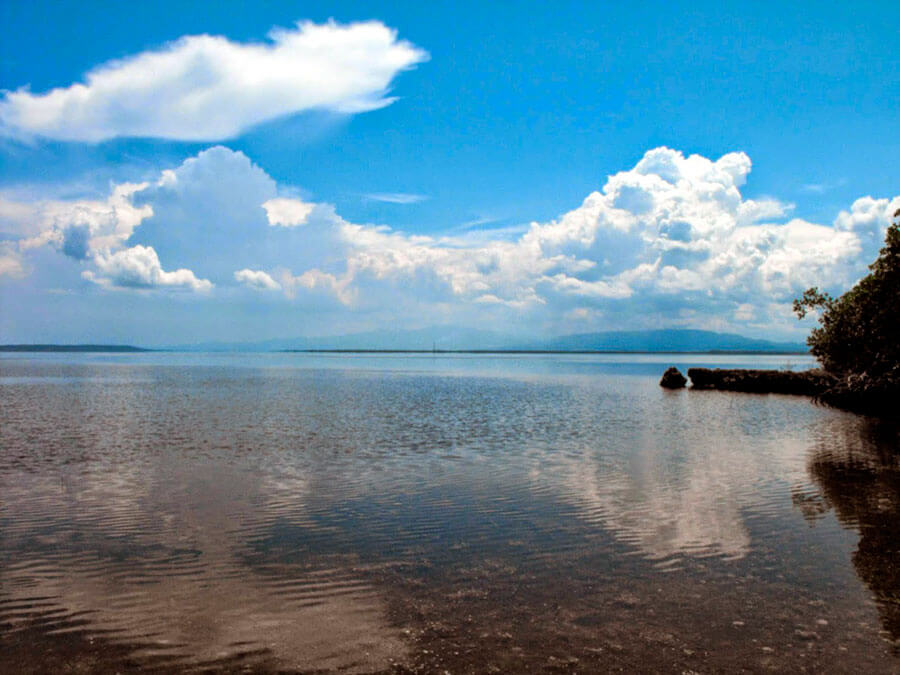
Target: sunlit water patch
x,y
368,513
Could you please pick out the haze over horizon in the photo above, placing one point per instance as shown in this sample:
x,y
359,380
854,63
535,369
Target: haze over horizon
x,y
451,338
239,173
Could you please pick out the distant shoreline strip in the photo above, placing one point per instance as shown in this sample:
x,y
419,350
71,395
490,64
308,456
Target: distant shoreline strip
x,y
536,351
131,349
73,348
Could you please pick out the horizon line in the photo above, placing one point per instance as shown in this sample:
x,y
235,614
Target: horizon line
x,y
107,348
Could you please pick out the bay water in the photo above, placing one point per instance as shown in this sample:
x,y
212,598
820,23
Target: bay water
x,y
437,512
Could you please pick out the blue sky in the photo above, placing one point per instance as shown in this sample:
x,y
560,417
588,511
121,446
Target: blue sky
x,y
431,163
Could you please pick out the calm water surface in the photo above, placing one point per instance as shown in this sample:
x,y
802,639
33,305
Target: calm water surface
x,y
379,513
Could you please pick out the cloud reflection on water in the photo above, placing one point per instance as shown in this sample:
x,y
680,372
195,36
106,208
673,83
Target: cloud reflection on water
x,y
684,484
157,561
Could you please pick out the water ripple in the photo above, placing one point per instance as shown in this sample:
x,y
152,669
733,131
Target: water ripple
x,y
205,517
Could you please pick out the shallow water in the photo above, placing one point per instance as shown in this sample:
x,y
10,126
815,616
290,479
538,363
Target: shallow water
x,y
437,512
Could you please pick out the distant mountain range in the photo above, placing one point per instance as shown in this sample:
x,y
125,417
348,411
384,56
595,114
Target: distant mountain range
x,y
443,338
669,340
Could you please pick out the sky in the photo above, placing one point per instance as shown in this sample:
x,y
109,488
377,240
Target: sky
x,y
183,172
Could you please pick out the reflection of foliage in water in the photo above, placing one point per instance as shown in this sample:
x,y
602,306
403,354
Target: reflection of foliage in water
x,y
859,476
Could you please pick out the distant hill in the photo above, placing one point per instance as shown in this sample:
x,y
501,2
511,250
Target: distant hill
x,y
71,348
668,340
447,338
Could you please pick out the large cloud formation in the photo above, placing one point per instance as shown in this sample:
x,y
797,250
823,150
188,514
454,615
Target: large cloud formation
x,y
671,241
205,87
95,233
672,238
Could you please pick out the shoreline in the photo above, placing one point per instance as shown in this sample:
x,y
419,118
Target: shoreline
x,y
813,382
860,394
50,348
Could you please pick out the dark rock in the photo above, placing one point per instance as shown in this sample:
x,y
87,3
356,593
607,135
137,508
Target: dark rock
x,y
673,379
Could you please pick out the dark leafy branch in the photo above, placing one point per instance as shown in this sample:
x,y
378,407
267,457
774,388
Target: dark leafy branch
x,y
858,337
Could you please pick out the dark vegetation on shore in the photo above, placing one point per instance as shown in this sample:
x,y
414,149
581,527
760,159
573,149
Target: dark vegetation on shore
x,y
815,382
858,337
857,342
807,382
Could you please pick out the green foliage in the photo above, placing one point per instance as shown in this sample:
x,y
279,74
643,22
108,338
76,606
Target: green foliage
x,y
812,299
859,332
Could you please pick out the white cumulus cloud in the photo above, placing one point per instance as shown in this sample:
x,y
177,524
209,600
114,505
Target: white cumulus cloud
x,y
204,87
76,227
11,264
139,267
316,279
257,279
286,212
671,241
94,232
671,238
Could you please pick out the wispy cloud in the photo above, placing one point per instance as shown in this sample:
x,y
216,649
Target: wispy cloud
x,y
395,197
204,87
821,188
472,235
486,229
477,222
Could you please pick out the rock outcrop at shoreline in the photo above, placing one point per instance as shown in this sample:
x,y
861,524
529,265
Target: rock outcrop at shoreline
x,y
804,382
673,379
